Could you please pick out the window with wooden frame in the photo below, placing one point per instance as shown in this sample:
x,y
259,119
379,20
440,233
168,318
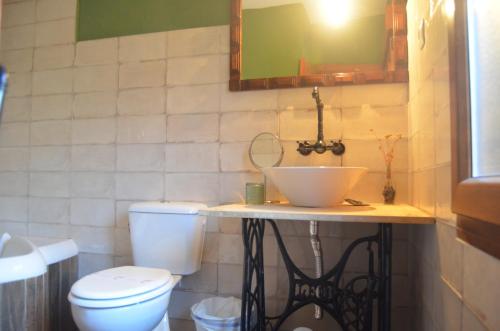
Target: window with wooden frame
x,y
475,105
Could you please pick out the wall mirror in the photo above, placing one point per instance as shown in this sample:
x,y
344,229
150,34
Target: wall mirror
x,y
300,43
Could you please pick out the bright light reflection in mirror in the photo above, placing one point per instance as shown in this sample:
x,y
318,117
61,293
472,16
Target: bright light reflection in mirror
x,y
335,13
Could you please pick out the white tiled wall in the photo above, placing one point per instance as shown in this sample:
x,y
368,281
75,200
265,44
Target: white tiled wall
x,y
455,286
91,127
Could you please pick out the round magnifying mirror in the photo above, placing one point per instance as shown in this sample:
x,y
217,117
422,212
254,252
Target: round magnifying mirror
x,y
266,150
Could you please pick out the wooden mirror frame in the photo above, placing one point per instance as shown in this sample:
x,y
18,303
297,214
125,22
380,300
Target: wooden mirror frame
x,y
474,200
393,70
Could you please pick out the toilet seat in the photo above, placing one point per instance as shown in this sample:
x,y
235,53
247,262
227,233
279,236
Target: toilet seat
x,y
121,286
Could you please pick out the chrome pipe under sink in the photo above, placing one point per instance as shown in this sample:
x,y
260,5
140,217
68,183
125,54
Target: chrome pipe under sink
x,y
318,261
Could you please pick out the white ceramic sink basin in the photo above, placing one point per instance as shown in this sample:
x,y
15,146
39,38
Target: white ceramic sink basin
x,y
315,186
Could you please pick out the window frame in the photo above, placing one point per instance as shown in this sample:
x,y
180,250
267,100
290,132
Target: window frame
x,y
476,201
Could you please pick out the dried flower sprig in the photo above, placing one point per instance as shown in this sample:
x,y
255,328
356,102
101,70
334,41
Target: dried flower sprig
x,y
386,147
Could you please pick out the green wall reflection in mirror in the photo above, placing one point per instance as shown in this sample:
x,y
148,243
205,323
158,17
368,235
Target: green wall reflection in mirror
x,y
277,34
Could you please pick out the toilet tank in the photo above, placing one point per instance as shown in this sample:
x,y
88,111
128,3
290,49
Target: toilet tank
x,y
167,235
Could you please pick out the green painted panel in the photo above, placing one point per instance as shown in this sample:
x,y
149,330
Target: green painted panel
x,y
111,18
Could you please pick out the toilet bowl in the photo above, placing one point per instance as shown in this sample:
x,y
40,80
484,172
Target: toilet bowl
x,y
125,298
166,238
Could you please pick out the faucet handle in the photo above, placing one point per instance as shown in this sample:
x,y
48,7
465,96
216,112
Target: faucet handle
x,y
305,148
338,148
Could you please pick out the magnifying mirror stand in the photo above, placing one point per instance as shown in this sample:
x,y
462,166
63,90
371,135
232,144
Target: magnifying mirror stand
x,y
267,190
266,150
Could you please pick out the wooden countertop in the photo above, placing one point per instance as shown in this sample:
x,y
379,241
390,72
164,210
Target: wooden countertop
x,y
375,213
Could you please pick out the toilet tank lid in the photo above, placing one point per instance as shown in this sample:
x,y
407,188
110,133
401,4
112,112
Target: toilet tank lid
x,y
183,208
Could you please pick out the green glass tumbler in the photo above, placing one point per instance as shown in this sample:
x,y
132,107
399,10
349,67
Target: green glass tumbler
x,y
255,194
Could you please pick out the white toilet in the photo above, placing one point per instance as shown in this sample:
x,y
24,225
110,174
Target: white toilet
x,y
167,242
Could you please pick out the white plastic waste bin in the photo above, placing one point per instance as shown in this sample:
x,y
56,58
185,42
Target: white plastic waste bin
x,y
217,314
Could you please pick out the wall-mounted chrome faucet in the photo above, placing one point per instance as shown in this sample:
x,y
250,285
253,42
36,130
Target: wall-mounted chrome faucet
x,y
306,148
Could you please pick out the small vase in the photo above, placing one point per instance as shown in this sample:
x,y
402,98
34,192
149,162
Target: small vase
x,y
389,192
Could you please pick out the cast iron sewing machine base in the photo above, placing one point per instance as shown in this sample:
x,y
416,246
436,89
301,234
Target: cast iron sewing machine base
x,y
351,305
